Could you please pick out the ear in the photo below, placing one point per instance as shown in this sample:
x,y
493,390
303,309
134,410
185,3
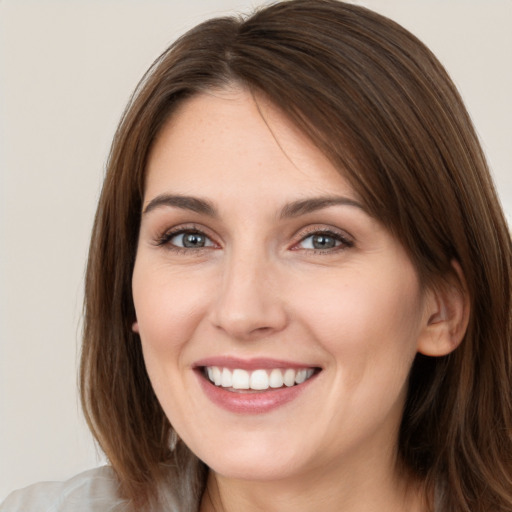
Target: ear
x,y
447,315
135,327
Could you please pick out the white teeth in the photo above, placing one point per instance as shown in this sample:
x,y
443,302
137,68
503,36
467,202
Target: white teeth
x,y
303,375
276,378
217,376
289,377
258,379
226,379
300,377
240,379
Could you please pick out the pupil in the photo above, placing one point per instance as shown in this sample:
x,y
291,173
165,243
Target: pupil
x,y
323,242
193,240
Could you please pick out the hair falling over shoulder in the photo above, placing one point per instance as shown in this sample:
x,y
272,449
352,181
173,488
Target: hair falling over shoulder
x,y
378,103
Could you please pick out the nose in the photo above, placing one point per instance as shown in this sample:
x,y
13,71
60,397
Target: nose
x,y
249,303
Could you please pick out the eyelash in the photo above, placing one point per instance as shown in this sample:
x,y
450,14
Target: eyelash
x,y
343,241
164,240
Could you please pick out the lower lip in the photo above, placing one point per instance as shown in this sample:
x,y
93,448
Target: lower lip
x,y
254,402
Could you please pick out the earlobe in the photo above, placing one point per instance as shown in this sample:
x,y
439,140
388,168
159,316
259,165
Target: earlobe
x,y
447,316
135,327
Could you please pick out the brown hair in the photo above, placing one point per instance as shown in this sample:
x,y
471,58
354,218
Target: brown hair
x,y
378,103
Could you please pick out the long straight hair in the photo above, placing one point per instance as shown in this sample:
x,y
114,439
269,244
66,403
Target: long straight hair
x,y
382,108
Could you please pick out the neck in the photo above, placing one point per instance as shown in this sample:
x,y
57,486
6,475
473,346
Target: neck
x,y
369,491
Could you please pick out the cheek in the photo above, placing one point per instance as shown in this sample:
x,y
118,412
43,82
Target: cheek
x,y
168,305
370,324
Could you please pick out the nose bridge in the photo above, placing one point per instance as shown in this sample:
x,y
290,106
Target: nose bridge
x,y
248,301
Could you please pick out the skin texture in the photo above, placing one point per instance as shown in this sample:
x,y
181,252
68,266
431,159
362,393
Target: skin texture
x,y
259,289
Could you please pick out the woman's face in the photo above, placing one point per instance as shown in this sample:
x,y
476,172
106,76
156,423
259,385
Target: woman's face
x,y
258,268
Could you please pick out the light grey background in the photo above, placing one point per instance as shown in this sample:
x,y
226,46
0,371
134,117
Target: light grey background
x,y
67,69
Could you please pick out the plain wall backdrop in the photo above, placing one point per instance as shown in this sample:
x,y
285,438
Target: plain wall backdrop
x,y
67,69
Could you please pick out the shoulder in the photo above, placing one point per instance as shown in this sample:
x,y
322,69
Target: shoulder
x,y
91,491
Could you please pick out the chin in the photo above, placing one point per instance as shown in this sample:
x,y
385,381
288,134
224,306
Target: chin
x,y
256,460
261,470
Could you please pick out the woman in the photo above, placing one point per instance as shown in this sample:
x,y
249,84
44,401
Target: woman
x,y
298,288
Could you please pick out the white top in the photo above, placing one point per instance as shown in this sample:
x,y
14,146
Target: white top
x,y
91,491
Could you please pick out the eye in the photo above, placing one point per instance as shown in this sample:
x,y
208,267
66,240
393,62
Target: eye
x,y
190,239
186,239
324,241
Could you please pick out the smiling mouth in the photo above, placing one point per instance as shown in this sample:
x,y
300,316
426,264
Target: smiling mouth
x,y
240,380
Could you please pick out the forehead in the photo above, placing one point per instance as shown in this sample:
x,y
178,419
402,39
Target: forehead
x,y
229,141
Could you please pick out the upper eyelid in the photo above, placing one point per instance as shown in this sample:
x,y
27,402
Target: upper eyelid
x,y
183,228
314,229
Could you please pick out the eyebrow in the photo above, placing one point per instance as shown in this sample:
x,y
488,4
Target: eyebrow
x,y
293,209
304,206
184,202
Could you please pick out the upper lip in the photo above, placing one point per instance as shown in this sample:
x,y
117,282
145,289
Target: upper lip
x,y
257,363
